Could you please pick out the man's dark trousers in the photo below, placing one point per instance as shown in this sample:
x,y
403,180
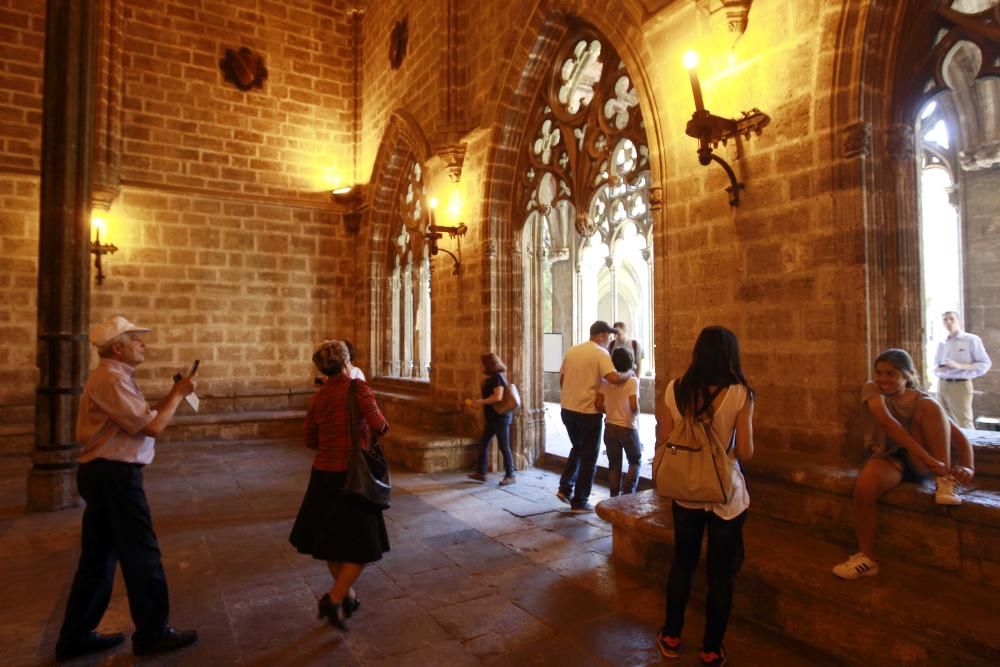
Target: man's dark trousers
x,y
117,527
585,436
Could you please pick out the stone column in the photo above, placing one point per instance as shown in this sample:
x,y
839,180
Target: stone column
x,y
905,320
63,247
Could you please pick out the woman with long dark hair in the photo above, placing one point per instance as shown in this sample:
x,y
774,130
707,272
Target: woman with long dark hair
x,y
713,386
910,439
345,531
497,425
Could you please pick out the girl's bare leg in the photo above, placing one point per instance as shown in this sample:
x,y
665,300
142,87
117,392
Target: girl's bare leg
x,y
876,477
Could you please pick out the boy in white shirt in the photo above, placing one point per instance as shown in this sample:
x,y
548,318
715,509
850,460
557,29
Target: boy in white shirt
x,y
620,405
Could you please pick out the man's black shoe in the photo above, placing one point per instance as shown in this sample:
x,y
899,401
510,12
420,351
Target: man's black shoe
x,y
94,642
170,640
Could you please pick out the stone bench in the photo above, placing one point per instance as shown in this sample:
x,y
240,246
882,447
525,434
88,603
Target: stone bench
x,y
231,426
423,450
909,614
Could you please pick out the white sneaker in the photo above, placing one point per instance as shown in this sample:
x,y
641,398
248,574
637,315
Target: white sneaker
x,y
858,565
947,491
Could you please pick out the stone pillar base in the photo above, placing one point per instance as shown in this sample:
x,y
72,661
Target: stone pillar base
x,y
52,490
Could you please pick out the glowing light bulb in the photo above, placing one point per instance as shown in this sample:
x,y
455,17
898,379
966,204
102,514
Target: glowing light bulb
x,y
690,60
98,225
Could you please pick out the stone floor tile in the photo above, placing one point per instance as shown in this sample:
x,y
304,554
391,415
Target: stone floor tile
x,y
466,582
618,639
491,626
412,558
562,604
483,555
450,653
395,627
442,587
599,573
558,651
540,544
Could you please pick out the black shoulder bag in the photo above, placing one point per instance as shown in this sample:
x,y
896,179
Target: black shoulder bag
x,y
367,470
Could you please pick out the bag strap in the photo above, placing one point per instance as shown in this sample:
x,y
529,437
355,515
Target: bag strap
x,y
352,406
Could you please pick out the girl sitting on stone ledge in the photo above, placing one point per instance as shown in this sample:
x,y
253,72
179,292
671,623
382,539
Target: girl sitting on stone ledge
x,y
910,439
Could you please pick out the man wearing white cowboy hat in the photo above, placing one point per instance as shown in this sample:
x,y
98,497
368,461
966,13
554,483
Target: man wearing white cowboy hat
x,y
117,430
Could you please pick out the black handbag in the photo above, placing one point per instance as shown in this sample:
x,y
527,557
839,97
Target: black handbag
x,y
367,470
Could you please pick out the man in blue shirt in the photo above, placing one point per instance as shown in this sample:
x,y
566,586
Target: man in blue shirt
x,y
960,358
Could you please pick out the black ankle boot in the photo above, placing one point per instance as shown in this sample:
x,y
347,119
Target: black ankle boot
x,y
350,605
333,613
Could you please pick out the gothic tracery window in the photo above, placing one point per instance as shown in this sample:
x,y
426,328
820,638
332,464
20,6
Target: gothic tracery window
x,y
410,284
585,192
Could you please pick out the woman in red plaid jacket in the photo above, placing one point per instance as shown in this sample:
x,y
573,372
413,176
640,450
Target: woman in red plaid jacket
x,y
344,531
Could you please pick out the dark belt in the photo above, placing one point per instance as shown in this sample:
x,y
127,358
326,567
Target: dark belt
x,y
955,379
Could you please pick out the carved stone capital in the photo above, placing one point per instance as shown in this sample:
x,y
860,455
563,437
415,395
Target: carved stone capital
x,y
515,248
490,248
453,156
655,198
857,139
102,197
899,143
728,18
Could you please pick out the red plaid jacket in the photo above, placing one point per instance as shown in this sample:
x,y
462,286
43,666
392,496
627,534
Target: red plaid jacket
x,y
327,422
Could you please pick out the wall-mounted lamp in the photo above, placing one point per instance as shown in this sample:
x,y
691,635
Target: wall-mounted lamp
x,y
711,130
99,249
351,197
435,232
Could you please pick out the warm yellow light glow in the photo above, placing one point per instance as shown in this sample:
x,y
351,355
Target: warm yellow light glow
x,y
455,204
432,203
690,60
99,225
331,178
343,190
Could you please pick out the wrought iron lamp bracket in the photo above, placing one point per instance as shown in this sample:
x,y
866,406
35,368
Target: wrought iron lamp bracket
x,y
99,249
436,232
711,130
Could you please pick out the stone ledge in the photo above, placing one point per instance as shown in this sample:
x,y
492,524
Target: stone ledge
x,y
423,450
786,584
981,502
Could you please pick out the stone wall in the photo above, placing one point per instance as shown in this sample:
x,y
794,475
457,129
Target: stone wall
x,y
22,32
229,245
231,249
981,207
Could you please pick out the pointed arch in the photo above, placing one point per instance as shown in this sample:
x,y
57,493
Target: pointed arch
x,y
403,144
502,230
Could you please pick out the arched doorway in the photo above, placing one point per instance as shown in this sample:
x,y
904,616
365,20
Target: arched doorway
x,y
584,197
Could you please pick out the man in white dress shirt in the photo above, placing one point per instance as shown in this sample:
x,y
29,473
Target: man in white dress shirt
x,y
117,430
960,358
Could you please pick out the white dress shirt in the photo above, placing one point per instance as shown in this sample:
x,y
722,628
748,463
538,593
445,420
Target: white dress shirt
x,y
964,348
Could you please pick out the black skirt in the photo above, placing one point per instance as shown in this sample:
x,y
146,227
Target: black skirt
x,y
338,528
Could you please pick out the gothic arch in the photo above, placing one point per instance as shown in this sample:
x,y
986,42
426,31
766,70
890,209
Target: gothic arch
x,y
531,61
403,143
886,53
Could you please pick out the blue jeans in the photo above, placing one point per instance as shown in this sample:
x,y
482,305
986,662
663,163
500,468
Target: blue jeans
x,y
585,436
616,440
500,427
723,561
